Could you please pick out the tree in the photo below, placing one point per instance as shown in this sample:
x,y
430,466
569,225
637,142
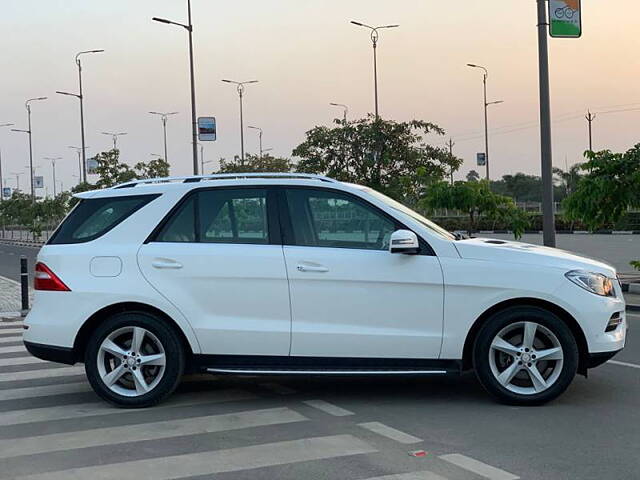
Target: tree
x,y
569,180
476,199
157,168
257,164
610,187
391,157
111,171
473,176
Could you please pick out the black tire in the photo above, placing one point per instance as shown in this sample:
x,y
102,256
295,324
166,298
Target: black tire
x,y
174,358
499,321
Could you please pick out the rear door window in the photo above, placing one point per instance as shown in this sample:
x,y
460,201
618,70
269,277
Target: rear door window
x,y
92,218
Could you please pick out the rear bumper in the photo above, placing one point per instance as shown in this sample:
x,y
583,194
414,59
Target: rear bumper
x,y
51,353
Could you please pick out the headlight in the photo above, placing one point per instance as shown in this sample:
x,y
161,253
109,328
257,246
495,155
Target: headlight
x,y
593,282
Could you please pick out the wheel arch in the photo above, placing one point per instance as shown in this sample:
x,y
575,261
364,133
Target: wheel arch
x,y
565,316
82,337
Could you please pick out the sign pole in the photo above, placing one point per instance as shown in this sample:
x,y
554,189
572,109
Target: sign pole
x,y
548,220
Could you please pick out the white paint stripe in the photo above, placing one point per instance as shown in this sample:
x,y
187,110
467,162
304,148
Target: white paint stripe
x,y
5,331
328,408
147,431
477,467
9,279
10,339
26,360
44,391
14,349
624,364
277,388
410,476
389,432
44,373
218,461
45,414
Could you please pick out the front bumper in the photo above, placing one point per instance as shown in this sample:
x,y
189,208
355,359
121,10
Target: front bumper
x,y
51,353
596,359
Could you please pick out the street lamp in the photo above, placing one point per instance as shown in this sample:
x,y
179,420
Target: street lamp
x,y
27,104
374,41
114,137
259,137
53,166
17,174
486,105
345,110
240,89
80,97
163,117
2,184
79,152
194,125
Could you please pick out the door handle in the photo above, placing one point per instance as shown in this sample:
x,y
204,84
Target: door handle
x,y
312,268
164,263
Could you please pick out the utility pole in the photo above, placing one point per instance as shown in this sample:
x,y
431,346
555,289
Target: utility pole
x,y
1,183
590,118
548,220
450,144
53,166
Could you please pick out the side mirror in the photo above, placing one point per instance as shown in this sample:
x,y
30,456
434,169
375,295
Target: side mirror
x,y
404,241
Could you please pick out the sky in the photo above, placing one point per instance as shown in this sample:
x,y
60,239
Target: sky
x,y
306,54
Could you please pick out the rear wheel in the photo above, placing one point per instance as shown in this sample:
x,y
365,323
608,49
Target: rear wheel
x,y
525,356
134,359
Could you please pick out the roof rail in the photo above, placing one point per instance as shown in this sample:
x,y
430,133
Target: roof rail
x,y
225,176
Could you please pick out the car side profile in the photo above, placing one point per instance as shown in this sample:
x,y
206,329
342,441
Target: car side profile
x,y
300,274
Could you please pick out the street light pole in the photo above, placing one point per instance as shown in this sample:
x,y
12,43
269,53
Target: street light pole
x,y
345,110
194,123
259,137
53,166
374,41
240,89
590,118
1,182
17,174
114,137
548,220
27,104
163,117
79,152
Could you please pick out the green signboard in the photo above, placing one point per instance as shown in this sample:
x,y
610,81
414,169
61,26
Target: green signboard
x,y
565,18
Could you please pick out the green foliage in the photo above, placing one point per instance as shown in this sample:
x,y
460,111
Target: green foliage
x,y
157,168
635,264
611,186
391,157
528,188
473,176
112,172
255,164
20,210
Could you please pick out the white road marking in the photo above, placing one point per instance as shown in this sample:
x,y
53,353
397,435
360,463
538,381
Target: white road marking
x,y
624,364
10,339
45,414
26,360
277,388
9,279
147,431
410,476
218,461
329,408
14,349
389,432
477,467
4,331
44,391
45,373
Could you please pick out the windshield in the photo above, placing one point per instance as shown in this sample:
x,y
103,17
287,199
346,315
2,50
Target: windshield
x,y
437,229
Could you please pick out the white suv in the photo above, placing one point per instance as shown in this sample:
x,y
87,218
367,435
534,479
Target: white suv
x,y
303,275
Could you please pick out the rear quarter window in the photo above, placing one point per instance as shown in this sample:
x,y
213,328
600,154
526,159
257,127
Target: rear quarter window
x,y
93,217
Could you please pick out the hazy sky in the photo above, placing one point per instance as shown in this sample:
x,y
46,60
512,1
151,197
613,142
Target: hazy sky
x,y
306,54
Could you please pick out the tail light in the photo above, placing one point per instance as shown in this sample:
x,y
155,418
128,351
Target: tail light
x,y
45,279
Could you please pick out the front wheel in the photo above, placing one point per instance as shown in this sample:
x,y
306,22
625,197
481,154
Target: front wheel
x,y
134,359
525,356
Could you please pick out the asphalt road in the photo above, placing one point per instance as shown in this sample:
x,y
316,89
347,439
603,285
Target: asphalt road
x,y
263,428
10,260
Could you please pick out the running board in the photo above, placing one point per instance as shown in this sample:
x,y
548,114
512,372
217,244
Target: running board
x,y
248,371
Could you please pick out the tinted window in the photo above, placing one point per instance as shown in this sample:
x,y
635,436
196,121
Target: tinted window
x,y
92,218
331,219
219,216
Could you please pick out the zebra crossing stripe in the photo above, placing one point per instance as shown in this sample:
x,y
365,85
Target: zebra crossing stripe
x,y
28,360
218,461
11,339
62,412
6,331
147,431
424,475
329,408
44,391
44,373
14,349
390,432
477,467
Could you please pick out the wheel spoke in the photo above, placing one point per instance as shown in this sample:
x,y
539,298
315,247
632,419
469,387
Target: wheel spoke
x,y
539,383
112,348
507,375
157,359
504,346
138,337
529,334
113,376
550,354
141,383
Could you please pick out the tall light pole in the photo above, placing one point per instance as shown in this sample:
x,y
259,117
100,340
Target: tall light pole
x,y
240,89
114,137
194,124
486,115
80,97
79,152
259,137
1,183
345,110
17,174
374,41
163,117
53,161
27,105
590,118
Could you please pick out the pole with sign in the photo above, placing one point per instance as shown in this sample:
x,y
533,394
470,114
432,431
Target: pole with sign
x,y
481,159
207,129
